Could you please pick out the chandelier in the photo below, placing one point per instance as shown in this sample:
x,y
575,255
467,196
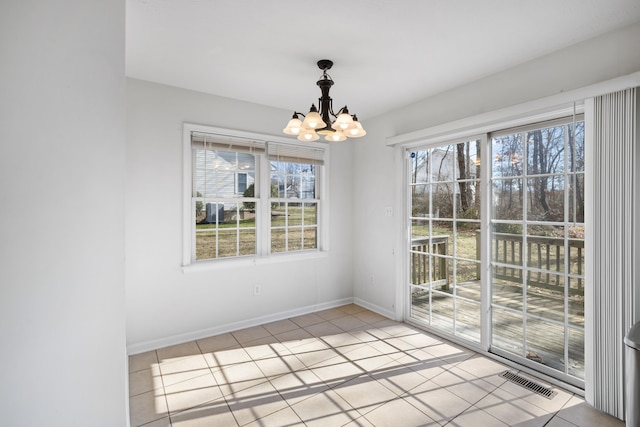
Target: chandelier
x,y
320,122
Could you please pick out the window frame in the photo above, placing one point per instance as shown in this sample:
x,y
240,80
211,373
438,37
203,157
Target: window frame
x,y
291,170
263,229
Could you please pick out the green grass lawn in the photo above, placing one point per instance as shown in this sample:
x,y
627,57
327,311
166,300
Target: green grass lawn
x,y
238,237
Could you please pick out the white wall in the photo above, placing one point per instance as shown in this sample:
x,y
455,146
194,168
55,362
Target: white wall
x,y
62,142
165,305
377,171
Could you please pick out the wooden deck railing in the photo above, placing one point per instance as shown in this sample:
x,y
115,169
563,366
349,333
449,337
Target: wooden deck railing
x,y
545,254
420,250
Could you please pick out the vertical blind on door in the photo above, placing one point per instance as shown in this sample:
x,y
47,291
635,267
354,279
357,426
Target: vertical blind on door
x,y
614,251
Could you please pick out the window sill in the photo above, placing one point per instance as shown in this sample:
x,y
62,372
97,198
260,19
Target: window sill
x,y
221,264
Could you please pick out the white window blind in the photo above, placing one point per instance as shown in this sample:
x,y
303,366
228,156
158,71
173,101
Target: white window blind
x,y
296,154
226,143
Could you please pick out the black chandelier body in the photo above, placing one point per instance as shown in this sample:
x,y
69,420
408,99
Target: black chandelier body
x,y
320,122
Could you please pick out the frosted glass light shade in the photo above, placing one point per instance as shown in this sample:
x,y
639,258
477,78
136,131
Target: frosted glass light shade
x,y
356,131
293,127
313,120
343,122
335,136
308,135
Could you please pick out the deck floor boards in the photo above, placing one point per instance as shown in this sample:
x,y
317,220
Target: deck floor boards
x,y
545,339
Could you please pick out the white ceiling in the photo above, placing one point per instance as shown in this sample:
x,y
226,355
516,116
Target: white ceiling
x,y
387,53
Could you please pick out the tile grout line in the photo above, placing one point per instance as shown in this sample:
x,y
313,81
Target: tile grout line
x,y
445,362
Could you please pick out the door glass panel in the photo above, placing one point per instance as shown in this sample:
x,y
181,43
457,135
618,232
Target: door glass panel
x,y
545,297
442,238
466,274
442,163
506,245
507,330
546,198
576,198
576,151
421,201
576,352
470,290
468,320
507,153
506,292
545,150
420,168
545,343
420,304
537,247
545,252
576,302
507,199
444,268
443,196
468,240
442,312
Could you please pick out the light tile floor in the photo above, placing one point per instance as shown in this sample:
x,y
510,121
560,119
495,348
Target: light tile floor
x,y
345,366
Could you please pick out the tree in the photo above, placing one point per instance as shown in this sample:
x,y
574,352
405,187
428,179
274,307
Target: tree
x,y
540,164
464,158
545,159
250,192
478,174
199,205
508,158
419,164
576,163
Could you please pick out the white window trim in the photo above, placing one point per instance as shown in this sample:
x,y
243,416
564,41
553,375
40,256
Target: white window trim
x,y
538,110
189,265
542,109
484,346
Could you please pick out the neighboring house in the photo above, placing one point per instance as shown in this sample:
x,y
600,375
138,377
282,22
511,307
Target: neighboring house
x,y
232,173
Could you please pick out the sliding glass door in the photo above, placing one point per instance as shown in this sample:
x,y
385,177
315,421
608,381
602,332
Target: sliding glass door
x,y
533,178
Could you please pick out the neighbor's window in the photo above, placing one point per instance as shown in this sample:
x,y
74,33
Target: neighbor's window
x,y
251,197
242,183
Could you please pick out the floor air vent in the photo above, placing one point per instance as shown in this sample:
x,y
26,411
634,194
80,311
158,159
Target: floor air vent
x,y
529,385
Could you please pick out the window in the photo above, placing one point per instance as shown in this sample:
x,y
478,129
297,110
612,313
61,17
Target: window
x,y
225,221
294,202
249,196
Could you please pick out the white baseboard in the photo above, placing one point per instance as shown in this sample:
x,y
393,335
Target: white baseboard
x,y
142,347
375,308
